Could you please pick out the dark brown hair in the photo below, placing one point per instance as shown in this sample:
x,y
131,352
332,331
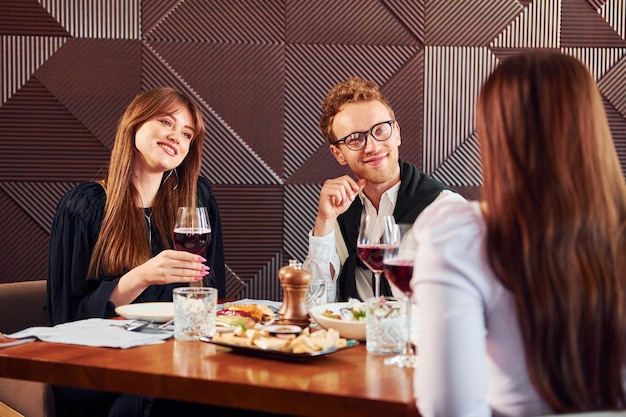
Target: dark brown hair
x,y
556,224
352,90
121,244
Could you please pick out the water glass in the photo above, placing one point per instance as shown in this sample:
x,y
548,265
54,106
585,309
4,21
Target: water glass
x,y
194,312
385,330
316,295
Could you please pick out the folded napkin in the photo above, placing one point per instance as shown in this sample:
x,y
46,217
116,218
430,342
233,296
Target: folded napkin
x,y
95,332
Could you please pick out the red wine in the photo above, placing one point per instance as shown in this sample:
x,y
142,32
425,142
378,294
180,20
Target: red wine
x,y
192,240
400,272
372,256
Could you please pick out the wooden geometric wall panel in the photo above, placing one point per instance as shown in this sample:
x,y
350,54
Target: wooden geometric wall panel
x,y
468,23
453,76
25,54
536,27
25,242
258,70
584,26
614,12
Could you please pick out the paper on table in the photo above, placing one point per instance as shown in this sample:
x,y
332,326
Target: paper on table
x,y
94,332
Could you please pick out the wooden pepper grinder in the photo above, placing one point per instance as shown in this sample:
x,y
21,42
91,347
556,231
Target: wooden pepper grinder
x,y
282,272
295,282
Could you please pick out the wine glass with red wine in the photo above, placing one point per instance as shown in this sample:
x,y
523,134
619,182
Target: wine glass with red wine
x,y
192,232
398,260
371,243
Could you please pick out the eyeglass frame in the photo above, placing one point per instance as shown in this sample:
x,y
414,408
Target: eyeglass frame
x,y
367,133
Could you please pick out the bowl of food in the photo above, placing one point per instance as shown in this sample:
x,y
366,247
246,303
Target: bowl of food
x,y
347,318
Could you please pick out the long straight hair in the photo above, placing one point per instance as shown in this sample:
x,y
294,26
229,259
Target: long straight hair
x,y
556,224
122,243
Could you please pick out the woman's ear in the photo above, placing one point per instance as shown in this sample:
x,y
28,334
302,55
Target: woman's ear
x,y
338,155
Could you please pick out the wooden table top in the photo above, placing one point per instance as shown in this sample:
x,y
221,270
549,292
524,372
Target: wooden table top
x,y
351,380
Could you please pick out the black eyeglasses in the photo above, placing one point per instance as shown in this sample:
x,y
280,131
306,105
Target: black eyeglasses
x,y
357,140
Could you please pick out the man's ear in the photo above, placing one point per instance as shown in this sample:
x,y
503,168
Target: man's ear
x,y
399,137
338,155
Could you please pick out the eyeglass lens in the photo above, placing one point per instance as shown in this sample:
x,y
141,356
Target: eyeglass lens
x,y
380,132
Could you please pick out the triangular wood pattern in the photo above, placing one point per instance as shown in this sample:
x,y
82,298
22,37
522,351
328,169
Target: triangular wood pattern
x,y
52,143
410,14
300,212
612,86
454,76
536,27
232,22
103,19
228,159
24,255
347,22
583,26
614,12
26,53
47,195
481,21
248,89
82,81
597,60
617,123
462,167
28,18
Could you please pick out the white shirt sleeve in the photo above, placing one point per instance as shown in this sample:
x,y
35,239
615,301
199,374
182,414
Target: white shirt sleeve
x,y
321,260
452,374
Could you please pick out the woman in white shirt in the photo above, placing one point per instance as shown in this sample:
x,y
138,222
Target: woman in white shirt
x,y
521,296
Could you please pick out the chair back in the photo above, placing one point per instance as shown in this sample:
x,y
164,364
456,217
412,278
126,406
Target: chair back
x,y
22,305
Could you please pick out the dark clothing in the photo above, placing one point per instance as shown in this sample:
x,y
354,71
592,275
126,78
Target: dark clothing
x,y
74,233
71,296
417,191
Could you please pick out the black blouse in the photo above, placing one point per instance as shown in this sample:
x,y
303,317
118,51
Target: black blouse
x,y
73,236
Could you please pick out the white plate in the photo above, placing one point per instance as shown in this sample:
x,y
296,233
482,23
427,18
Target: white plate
x,y
283,329
154,312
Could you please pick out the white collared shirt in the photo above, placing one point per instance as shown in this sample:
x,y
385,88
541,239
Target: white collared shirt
x,y
331,251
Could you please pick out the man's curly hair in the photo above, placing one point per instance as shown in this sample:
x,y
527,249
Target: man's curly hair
x,y
352,90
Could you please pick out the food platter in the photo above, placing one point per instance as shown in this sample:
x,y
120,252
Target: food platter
x,y
153,312
277,354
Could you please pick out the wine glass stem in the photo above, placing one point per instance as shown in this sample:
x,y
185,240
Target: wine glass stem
x,y
408,347
376,284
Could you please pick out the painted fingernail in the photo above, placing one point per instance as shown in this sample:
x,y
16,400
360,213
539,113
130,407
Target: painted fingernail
x,y
205,267
201,259
197,278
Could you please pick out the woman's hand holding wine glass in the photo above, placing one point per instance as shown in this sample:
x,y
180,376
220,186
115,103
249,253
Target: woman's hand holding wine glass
x,y
192,232
398,265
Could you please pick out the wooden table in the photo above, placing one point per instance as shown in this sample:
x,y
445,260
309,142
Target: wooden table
x,y
349,381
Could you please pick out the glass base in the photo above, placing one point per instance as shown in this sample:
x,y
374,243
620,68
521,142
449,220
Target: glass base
x,y
402,361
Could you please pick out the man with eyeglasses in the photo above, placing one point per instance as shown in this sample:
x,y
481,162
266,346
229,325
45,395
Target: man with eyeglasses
x,y
359,125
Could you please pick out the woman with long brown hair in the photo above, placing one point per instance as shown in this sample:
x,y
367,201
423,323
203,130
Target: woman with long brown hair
x,y
111,242
521,296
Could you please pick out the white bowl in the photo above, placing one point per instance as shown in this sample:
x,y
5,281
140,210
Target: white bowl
x,y
346,328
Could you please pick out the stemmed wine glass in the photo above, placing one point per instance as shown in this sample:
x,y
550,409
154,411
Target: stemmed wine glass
x,y
192,232
371,243
398,266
